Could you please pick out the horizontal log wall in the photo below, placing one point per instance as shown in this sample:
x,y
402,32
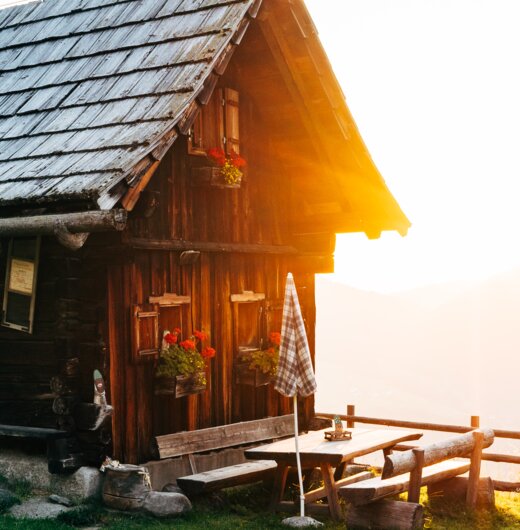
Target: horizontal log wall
x,y
44,374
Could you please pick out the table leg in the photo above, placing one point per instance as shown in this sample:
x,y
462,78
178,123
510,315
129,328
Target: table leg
x,y
340,470
330,488
280,478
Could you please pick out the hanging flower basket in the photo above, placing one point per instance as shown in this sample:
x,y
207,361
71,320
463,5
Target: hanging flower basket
x,y
180,385
181,367
225,171
211,176
250,376
258,367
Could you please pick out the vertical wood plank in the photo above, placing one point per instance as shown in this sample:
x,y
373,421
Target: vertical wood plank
x,y
474,470
414,488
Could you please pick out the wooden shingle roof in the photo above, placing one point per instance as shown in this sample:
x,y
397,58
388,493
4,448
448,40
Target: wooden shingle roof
x,y
91,90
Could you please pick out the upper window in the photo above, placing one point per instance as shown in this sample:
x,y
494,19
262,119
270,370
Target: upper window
x,y
217,124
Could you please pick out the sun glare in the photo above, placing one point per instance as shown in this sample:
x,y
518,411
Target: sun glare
x,y
439,117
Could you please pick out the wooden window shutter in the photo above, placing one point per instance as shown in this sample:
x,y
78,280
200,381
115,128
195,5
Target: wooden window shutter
x,y
231,133
20,283
196,136
145,334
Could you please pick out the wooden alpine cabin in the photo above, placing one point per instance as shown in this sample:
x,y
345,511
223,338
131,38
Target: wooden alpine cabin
x,y
115,225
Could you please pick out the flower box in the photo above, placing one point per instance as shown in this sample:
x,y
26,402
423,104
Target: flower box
x,y
210,176
244,375
180,385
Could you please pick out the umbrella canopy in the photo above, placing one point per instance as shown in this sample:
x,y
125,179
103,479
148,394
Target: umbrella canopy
x,y
295,375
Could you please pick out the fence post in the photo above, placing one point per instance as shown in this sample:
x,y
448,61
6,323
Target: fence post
x,y
351,411
474,470
475,422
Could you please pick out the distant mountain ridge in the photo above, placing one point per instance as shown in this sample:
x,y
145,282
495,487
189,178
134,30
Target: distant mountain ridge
x,y
440,352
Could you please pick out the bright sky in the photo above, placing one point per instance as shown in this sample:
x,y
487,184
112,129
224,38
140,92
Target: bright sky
x,y
434,88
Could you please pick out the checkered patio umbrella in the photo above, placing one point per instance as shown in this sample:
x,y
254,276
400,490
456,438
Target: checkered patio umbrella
x,y
295,376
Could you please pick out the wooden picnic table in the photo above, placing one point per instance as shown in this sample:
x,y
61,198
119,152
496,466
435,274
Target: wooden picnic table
x,y
330,457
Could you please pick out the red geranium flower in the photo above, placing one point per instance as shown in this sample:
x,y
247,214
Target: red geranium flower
x,y
177,331
188,344
170,338
275,338
208,353
200,335
217,155
237,160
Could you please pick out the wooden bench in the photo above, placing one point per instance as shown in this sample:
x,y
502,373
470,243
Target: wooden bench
x,y
411,469
242,435
57,441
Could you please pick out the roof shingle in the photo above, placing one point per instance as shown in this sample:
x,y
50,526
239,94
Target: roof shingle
x,y
88,88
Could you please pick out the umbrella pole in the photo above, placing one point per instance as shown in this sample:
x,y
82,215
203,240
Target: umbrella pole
x,y
298,463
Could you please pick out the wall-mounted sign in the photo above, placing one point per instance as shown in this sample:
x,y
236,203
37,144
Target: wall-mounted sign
x,y
22,276
20,283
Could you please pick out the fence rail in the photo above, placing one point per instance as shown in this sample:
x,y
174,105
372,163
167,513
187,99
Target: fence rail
x,y
351,418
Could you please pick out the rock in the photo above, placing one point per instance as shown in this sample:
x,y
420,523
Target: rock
x,y
301,522
37,508
85,483
58,499
172,488
17,465
163,504
7,499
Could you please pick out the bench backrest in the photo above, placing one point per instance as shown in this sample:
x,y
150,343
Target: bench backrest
x,y
458,446
234,434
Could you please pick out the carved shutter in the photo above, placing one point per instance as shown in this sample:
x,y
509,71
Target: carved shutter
x,y
196,136
230,102
145,334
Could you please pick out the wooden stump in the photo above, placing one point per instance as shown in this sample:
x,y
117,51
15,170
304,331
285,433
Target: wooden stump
x,y
395,515
126,487
454,489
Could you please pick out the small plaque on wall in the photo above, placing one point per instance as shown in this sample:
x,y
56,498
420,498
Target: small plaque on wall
x,y
22,276
20,283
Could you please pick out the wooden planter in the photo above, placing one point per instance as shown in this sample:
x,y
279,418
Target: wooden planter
x,y
179,386
252,377
126,487
210,176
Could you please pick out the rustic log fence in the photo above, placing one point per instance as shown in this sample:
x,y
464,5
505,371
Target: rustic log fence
x,y
351,418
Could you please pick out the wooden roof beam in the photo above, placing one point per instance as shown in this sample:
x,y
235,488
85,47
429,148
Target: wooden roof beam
x,y
71,229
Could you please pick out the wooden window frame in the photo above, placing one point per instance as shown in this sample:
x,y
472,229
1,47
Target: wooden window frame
x,y
8,280
217,124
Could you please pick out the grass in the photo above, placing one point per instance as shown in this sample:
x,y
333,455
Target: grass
x,y
441,515
246,508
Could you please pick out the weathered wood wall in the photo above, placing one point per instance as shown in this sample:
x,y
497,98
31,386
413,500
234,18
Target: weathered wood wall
x,y
139,414
263,212
44,374
84,299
